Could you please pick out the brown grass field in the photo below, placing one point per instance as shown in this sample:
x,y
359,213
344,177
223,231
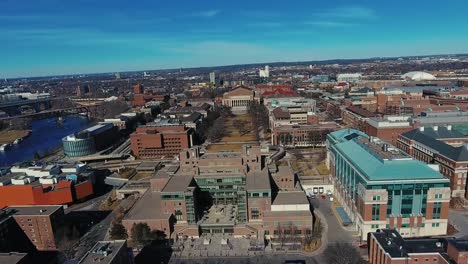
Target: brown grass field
x,y
8,136
231,142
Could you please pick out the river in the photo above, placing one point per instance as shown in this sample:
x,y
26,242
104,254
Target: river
x,y
46,136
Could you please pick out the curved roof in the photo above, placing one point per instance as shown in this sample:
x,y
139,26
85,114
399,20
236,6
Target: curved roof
x,y
418,76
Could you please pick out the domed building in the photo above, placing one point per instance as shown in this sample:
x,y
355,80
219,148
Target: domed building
x,y
418,76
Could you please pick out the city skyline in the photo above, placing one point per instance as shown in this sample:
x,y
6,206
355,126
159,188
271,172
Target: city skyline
x,y
55,38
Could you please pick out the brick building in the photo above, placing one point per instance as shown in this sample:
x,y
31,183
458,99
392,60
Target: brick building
x,y
12,237
161,141
386,246
356,117
138,89
381,186
39,223
441,145
302,135
387,128
230,193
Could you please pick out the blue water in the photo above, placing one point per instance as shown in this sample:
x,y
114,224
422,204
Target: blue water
x,y
46,135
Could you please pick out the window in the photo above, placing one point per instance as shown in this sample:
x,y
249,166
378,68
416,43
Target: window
x,y
374,226
376,198
178,215
436,210
29,220
255,214
435,224
267,232
438,196
404,225
376,212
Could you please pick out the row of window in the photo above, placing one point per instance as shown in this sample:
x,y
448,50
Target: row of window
x,y
375,226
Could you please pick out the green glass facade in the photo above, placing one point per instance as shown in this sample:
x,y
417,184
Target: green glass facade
x,y
226,190
405,197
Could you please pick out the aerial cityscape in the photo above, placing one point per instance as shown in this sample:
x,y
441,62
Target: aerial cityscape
x,y
268,132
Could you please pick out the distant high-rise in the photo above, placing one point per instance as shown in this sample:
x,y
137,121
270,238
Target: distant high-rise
x,y
79,91
138,89
264,73
213,77
117,76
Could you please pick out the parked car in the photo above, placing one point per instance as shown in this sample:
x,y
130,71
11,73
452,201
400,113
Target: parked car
x,y
313,196
331,198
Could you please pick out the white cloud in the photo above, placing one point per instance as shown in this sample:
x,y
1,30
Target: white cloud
x,y
355,12
266,24
330,24
206,13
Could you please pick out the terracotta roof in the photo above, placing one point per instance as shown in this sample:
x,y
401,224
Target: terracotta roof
x,y
279,91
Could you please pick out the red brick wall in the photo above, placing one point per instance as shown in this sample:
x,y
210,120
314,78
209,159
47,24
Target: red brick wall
x,y
262,204
39,230
83,190
458,257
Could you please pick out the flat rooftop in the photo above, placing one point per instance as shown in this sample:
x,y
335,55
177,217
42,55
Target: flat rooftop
x,y
376,164
394,244
35,210
12,257
147,207
178,183
220,215
258,180
103,252
290,197
221,155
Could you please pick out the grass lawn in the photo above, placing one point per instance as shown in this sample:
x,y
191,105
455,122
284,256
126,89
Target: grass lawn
x,y
233,140
233,134
225,147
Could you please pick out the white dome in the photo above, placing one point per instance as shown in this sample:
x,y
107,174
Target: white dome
x,y
418,76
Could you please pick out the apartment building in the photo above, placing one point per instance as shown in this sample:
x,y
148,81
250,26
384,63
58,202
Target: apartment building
x,y
39,223
155,141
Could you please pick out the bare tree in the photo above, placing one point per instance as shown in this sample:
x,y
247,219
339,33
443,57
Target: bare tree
x,y
242,126
342,253
217,131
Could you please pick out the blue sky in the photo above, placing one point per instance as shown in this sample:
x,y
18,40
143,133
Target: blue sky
x,y
49,37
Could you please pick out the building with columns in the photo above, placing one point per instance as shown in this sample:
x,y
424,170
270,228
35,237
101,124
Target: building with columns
x,y
239,99
380,186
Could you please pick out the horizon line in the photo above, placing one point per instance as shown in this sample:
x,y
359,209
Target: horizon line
x,y
232,65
